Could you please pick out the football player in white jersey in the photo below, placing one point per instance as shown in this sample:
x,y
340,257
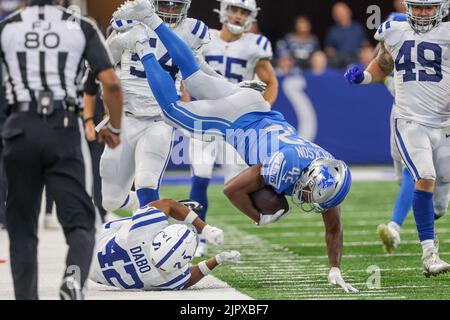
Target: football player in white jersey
x,y
146,252
139,158
237,55
418,51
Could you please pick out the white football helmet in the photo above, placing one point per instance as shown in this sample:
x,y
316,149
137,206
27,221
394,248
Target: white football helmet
x,y
425,24
173,247
172,19
224,13
325,184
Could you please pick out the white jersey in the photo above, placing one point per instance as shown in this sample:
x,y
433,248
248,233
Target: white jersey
x,y
422,72
138,97
122,256
237,60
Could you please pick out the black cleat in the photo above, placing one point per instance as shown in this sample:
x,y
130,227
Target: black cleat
x,y
71,289
192,205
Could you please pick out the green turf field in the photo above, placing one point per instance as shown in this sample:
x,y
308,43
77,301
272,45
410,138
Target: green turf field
x,y
287,260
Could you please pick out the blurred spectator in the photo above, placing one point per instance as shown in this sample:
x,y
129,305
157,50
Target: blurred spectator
x,y
399,6
319,63
286,65
366,55
345,38
301,44
8,6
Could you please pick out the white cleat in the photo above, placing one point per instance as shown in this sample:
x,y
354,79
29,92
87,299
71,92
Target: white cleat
x,y
432,264
139,10
51,223
202,249
129,40
389,236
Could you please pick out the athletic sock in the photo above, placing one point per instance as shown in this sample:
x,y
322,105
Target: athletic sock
x,y
424,214
147,195
199,187
404,198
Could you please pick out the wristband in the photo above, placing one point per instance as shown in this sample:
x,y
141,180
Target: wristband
x,y
367,78
113,130
191,217
88,119
204,268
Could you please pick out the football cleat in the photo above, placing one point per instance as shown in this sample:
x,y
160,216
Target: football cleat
x,y
432,264
71,289
192,205
138,10
389,236
129,39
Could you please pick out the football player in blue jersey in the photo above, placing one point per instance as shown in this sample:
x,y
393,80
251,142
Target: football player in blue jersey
x,y
277,156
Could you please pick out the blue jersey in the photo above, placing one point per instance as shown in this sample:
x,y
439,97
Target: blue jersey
x,y
267,138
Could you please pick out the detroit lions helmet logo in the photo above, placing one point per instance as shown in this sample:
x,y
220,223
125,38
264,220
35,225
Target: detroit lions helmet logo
x,y
327,180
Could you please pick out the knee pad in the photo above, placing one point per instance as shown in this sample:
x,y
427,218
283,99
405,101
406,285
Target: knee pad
x,y
111,204
146,178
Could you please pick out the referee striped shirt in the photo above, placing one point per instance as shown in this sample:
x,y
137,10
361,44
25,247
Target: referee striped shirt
x,y
44,48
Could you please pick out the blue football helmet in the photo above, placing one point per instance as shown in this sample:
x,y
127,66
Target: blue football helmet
x,y
323,185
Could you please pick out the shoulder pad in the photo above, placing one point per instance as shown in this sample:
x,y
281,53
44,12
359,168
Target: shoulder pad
x,y
196,31
390,32
262,43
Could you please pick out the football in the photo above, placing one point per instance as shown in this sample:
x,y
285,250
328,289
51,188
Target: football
x,y
267,201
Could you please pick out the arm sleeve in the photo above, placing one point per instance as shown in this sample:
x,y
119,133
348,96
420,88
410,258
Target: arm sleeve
x,y
96,52
91,87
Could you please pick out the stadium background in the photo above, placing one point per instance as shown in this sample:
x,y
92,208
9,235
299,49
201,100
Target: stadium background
x,y
352,123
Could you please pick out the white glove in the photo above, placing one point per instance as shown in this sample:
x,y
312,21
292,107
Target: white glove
x,y
122,25
228,257
335,278
270,218
213,235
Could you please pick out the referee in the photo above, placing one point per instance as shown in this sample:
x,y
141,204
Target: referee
x,y
43,48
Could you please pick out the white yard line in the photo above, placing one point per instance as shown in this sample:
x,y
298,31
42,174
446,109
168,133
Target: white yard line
x,y
52,250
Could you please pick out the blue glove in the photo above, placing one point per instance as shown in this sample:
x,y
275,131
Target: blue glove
x,y
397,16
354,74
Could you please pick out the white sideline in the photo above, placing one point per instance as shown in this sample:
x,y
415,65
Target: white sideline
x,y
52,251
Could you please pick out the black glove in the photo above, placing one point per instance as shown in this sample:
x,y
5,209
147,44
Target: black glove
x,y
192,205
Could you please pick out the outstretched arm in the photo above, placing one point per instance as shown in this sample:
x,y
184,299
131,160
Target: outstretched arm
x,y
376,72
381,66
333,236
335,242
205,267
180,212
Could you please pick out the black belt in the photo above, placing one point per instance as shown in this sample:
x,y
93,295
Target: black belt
x,y
32,107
